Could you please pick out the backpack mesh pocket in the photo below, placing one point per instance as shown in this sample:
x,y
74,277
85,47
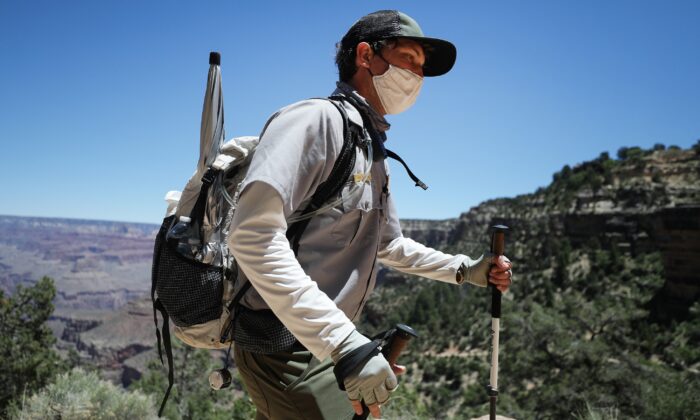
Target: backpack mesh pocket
x,y
261,331
191,292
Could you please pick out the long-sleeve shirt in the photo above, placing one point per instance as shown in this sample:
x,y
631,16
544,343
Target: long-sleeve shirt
x,y
319,292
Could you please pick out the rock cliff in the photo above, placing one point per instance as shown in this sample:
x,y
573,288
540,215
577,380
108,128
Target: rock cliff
x,y
649,201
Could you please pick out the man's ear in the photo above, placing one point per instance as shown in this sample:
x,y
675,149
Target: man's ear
x,y
363,55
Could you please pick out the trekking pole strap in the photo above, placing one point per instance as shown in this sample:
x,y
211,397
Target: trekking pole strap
x,y
356,358
393,342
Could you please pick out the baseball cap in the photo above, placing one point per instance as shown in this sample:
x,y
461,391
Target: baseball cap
x,y
440,55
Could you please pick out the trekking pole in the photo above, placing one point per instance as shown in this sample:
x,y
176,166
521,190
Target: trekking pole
x,y
497,248
395,345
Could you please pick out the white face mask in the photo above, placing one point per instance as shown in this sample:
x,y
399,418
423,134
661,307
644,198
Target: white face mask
x,y
397,89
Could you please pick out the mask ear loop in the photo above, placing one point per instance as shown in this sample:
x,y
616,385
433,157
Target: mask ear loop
x,y
369,69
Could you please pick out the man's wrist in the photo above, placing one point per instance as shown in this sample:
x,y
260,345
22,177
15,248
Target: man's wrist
x,y
351,342
474,271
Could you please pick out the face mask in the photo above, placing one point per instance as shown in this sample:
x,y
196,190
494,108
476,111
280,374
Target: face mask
x,y
397,89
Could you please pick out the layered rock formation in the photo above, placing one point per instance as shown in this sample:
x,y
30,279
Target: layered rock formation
x,y
645,203
95,264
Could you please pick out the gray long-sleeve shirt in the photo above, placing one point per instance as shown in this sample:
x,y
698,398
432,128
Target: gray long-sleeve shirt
x,y
317,294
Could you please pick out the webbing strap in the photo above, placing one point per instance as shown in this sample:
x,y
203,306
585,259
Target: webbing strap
x,y
155,303
160,238
197,213
342,169
164,339
413,177
168,354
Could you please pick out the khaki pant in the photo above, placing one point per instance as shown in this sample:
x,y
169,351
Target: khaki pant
x,y
292,385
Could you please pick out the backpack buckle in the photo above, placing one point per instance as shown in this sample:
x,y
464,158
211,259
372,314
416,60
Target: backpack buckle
x,y
209,176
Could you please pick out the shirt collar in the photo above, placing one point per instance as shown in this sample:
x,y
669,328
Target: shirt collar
x,y
378,121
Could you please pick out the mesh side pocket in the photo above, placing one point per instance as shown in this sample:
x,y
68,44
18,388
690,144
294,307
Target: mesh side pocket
x,y
261,332
191,292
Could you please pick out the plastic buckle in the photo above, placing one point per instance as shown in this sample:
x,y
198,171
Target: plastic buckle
x,y
209,176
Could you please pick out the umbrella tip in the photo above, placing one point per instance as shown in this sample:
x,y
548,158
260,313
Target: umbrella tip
x,y
215,58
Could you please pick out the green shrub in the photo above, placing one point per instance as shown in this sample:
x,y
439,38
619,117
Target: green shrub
x,y
622,153
598,413
625,153
83,395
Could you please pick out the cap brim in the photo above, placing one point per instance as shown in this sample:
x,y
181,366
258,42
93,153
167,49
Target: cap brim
x,y
440,55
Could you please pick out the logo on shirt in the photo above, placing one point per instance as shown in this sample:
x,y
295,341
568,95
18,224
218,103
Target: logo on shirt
x,y
362,177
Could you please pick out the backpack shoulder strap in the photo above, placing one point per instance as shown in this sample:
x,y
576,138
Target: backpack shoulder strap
x,y
342,169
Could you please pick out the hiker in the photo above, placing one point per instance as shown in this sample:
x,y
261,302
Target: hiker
x,y
296,322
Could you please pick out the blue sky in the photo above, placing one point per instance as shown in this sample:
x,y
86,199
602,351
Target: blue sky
x,y
100,101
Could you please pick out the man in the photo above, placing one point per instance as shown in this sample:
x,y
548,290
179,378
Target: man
x,y
318,293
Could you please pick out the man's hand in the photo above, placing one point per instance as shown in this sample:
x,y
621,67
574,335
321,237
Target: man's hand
x,y
373,382
501,274
486,269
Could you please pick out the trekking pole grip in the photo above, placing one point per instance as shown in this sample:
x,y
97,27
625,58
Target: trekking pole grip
x,y
400,337
498,240
403,335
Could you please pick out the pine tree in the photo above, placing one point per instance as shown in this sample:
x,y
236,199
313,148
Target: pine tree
x,y
26,343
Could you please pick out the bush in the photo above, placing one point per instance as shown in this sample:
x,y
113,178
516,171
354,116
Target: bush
x,y
596,413
83,395
622,153
632,153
